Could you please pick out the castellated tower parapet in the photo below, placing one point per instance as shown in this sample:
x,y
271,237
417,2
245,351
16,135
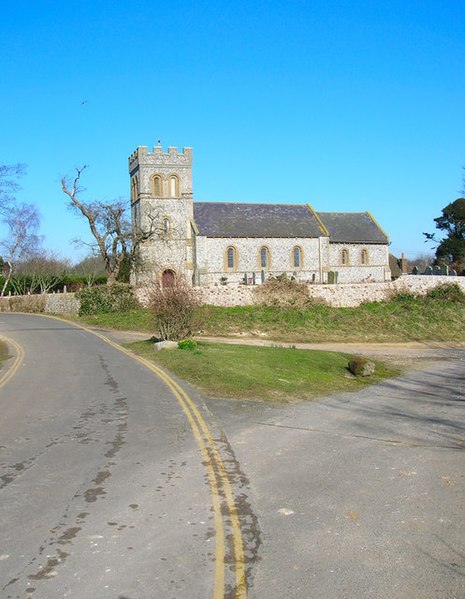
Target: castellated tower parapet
x,y
158,174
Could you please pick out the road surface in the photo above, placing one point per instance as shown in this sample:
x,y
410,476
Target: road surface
x,y
119,483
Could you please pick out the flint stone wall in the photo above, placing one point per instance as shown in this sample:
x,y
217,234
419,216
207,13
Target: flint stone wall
x,y
61,303
339,296
347,295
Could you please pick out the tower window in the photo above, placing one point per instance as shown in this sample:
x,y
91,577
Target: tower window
x,y
174,186
134,185
157,186
166,227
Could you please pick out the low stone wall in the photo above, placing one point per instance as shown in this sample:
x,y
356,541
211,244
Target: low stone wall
x,y
50,303
347,295
62,303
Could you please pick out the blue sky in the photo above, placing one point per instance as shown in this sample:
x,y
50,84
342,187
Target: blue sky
x,y
346,105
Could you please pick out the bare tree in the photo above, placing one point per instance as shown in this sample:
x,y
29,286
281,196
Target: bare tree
x,y
22,224
90,268
41,272
115,239
9,185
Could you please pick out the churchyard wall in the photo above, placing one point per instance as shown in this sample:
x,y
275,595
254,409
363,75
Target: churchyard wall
x,y
343,295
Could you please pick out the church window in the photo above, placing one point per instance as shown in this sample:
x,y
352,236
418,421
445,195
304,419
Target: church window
x,y
168,278
344,257
297,257
174,186
157,186
364,257
231,258
264,257
134,189
166,228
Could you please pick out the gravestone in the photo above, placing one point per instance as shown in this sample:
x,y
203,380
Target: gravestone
x,y
428,271
444,270
415,271
452,272
436,270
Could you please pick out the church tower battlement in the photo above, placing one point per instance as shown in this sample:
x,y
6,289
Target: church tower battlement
x,y
160,174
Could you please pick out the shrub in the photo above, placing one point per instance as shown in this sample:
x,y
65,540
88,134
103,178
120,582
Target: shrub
x,y
106,298
24,303
284,292
401,296
175,309
188,344
447,292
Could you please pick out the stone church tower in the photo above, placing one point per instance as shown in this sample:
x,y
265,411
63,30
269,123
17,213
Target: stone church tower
x,y
161,191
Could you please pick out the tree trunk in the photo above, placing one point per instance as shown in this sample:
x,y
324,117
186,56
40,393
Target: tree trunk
x,y
8,277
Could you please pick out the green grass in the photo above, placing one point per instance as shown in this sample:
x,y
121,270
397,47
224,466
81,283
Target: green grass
x,y
266,373
400,320
134,320
3,353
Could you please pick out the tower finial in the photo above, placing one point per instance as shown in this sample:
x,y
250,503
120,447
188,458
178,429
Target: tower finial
x,y
159,142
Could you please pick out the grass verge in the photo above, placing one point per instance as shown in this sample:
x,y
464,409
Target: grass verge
x,y
400,320
266,373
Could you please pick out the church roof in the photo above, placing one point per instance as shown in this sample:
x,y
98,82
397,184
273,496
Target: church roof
x,y
352,227
221,219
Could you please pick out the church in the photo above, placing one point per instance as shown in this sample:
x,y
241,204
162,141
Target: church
x,y
221,243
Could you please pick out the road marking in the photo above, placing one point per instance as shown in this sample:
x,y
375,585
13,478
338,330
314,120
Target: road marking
x,y
17,361
216,471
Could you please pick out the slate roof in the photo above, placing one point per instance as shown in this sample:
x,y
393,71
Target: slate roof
x,y
352,227
221,219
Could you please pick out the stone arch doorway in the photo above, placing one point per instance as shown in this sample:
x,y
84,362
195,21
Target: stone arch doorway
x,y
168,278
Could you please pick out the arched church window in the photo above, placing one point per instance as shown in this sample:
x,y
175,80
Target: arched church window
x,y
344,257
364,257
134,184
231,258
264,257
174,186
297,257
157,186
166,228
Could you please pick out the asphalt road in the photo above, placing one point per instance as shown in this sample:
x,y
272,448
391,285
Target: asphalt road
x,y
359,495
116,484
112,484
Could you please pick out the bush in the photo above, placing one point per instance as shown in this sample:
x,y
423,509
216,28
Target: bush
x,y
402,296
175,310
105,299
188,344
23,303
447,292
284,292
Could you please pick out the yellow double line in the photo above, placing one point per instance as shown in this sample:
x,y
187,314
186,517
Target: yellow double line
x,y
17,361
220,484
